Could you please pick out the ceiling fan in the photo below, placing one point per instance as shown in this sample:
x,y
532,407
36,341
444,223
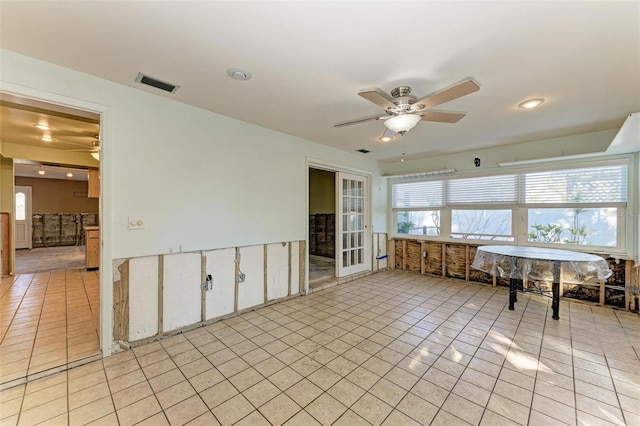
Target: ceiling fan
x,y
93,149
403,110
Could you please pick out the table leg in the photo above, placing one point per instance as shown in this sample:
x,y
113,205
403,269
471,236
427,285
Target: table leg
x,y
513,291
555,287
513,283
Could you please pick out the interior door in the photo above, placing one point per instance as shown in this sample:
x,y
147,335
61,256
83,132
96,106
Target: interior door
x,y
23,217
352,229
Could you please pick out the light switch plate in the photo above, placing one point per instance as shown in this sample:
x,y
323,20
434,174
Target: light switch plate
x,y
136,222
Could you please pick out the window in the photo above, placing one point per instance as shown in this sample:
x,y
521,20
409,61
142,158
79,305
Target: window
x,y
577,206
583,205
482,224
418,222
21,206
596,226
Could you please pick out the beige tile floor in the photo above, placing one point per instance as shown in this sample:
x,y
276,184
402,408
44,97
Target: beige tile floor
x,y
47,320
393,348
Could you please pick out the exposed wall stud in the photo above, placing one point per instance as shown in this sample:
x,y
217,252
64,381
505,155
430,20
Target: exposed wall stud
x,y
237,282
302,260
121,304
444,260
265,276
467,264
203,290
289,266
160,292
405,266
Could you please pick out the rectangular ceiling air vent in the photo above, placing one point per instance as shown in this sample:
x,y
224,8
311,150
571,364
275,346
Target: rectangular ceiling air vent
x,y
150,81
364,151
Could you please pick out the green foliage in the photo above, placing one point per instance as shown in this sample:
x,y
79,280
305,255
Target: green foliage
x,y
551,232
405,227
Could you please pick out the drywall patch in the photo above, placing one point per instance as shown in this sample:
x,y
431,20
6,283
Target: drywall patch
x,y
115,271
251,264
143,297
277,271
181,290
219,300
295,267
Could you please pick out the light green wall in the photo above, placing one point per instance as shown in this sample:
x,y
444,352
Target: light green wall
x,y
322,191
6,184
489,158
199,180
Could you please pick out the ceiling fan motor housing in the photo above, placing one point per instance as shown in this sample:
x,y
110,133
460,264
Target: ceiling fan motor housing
x,y
403,99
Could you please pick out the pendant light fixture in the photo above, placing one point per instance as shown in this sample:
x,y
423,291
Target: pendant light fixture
x,y
402,123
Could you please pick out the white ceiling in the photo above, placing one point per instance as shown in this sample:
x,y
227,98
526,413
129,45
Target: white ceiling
x,y
30,169
310,59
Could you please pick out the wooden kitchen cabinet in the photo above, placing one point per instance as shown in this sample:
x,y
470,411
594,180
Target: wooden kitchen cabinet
x,y
92,247
94,183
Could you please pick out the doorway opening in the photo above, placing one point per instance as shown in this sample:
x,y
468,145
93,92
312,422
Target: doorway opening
x,y
50,298
322,228
339,234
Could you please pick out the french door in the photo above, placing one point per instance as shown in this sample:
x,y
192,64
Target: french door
x,y
351,225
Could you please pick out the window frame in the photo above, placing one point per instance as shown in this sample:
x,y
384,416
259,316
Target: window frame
x,y
520,209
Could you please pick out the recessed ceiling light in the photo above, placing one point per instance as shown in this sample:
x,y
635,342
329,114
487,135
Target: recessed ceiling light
x,y
69,174
238,74
42,126
531,103
41,171
385,138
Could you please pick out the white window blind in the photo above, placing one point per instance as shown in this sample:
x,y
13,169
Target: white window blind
x,y
605,184
501,189
417,194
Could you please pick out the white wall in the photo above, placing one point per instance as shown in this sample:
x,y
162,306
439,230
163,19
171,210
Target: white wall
x,y
200,180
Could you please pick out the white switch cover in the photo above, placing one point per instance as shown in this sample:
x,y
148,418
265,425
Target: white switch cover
x,y
136,222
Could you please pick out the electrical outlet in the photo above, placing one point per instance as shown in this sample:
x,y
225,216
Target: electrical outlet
x,y
208,284
136,223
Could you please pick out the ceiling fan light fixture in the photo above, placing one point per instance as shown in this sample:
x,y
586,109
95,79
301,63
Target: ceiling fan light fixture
x,y
531,103
96,155
402,123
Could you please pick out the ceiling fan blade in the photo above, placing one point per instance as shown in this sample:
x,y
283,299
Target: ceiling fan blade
x,y
79,150
442,117
446,95
360,120
378,97
93,145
